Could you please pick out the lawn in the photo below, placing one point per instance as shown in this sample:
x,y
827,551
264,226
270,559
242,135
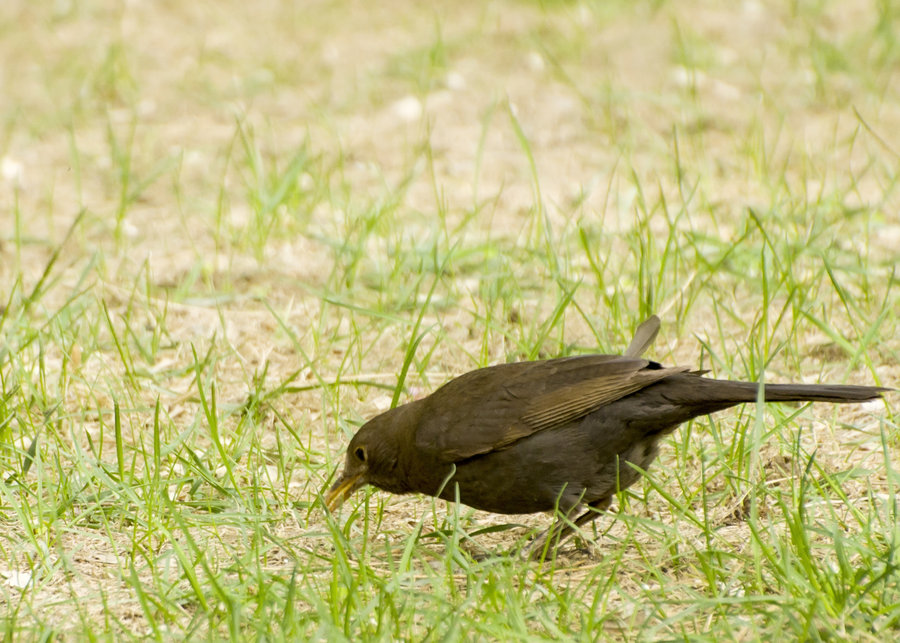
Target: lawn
x,y
231,232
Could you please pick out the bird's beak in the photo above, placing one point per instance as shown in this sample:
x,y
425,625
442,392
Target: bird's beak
x,y
343,489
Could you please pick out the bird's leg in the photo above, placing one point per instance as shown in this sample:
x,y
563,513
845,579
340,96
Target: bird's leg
x,y
563,528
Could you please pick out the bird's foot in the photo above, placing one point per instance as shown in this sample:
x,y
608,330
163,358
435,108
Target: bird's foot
x,y
544,547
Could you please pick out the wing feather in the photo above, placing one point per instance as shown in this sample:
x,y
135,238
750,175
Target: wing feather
x,y
491,408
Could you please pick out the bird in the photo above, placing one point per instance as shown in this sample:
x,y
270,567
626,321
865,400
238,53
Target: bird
x,y
556,435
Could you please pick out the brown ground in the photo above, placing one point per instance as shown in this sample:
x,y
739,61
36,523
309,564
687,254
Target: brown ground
x,y
602,95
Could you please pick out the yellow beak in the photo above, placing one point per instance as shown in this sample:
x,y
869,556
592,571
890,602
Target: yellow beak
x,y
343,489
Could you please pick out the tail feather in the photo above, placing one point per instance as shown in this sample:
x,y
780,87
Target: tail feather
x,y
822,393
687,395
737,392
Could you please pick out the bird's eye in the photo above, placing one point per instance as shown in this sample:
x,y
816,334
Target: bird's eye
x,y
360,454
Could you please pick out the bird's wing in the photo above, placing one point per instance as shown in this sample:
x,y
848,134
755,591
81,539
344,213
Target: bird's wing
x,y
577,400
643,337
491,408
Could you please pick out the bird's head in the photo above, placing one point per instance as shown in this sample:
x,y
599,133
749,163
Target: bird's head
x,y
373,456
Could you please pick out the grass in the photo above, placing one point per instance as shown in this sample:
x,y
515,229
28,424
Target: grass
x,y
226,240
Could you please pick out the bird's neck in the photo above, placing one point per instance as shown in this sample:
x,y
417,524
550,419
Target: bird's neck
x,y
419,472
398,438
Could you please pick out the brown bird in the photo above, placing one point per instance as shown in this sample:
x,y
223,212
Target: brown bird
x,y
552,434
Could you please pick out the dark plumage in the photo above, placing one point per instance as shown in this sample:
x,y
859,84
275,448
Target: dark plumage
x,y
534,436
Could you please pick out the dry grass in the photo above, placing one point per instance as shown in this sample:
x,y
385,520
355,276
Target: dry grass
x,y
231,220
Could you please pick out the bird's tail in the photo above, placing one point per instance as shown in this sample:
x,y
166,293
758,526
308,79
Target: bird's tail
x,y
730,392
821,393
686,395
